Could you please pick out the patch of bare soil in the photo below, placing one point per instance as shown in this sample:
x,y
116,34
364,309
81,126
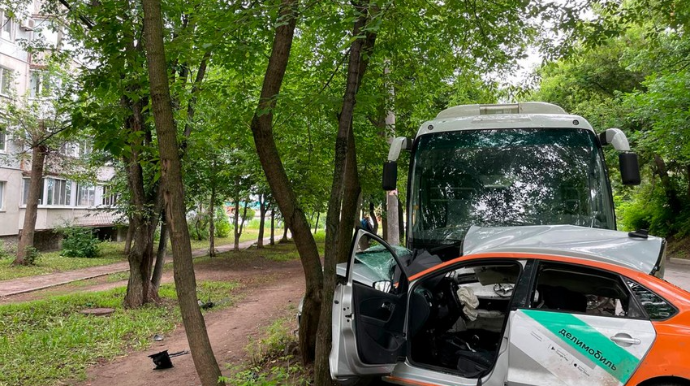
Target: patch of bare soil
x,y
269,288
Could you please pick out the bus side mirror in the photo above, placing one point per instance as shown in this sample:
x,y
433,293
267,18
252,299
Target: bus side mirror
x,y
630,169
390,175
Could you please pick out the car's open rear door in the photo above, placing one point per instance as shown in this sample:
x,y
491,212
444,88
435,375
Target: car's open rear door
x,y
369,311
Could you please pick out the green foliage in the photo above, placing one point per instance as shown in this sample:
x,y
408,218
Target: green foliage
x,y
6,252
79,242
222,224
31,256
51,262
249,215
272,358
49,341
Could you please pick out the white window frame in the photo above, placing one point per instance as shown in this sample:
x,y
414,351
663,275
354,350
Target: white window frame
x,y
26,181
61,190
6,76
3,188
108,197
91,191
5,24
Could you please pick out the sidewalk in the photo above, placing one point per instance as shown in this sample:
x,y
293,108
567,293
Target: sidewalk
x,y
35,283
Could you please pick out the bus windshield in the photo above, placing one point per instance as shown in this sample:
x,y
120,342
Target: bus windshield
x,y
506,177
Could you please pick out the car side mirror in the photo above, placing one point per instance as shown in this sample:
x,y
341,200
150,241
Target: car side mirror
x,y
383,285
630,168
390,175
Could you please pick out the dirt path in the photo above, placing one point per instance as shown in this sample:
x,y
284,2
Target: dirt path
x,y
270,288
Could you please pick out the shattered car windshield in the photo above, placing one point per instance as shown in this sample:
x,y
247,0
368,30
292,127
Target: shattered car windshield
x,y
379,261
506,177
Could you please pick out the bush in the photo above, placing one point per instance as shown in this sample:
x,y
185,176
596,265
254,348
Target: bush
x,y
5,252
222,224
79,242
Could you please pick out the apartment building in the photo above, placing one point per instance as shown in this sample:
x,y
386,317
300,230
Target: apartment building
x,y
23,77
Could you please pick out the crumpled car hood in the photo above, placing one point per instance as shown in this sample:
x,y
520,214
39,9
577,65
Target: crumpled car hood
x,y
594,244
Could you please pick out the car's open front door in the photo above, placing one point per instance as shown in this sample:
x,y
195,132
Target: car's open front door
x,y
369,311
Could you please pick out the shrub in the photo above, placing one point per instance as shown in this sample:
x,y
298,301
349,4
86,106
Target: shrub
x,y
79,242
222,224
5,252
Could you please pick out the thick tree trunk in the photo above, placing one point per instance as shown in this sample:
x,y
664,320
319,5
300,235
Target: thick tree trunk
x,y
26,241
130,237
281,189
356,69
236,228
262,222
273,227
173,194
160,255
212,223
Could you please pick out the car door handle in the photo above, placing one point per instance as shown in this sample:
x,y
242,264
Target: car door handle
x,y
625,340
387,306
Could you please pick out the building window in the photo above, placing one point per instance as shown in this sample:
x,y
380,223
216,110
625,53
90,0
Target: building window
x,y
3,141
7,28
5,81
2,194
109,196
39,85
25,193
59,192
86,195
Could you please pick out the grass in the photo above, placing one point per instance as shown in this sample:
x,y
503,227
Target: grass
x,y
50,262
248,234
272,357
48,341
110,252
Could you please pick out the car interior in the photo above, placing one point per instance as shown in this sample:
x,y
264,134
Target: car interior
x,y
457,318
564,287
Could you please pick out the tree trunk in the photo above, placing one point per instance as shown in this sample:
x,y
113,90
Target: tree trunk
x,y
372,216
236,230
130,237
244,217
284,239
401,221
26,240
359,50
173,193
671,194
212,223
316,226
160,255
687,176
281,188
351,192
262,213
273,226
384,220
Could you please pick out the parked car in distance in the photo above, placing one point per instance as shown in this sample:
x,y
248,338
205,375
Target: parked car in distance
x,y
534,305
